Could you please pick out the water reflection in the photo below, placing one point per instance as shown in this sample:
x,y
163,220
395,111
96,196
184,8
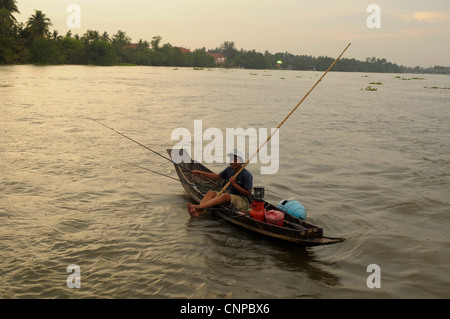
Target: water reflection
x,y
369,166
233,250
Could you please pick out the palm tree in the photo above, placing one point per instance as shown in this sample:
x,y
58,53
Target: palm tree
x,y
105,37
121,38
11,7
39,24
156,40
55,35
90,36
7,20
143,44
93,35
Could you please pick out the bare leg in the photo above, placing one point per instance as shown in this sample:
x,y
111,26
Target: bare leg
x,y
196,213
224,198
209,195
209,200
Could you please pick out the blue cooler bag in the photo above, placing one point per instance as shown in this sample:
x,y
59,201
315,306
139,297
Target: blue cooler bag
x,y
293,208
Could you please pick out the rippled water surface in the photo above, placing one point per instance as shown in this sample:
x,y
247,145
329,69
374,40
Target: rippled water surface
x,y
372,167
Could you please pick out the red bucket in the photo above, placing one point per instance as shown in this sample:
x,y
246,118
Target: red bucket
x,y
275,217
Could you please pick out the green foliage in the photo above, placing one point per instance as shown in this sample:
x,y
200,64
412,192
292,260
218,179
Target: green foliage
x,y
201,59
7,52
256,60
181,59
73,51
100,53
6,24
250,60
228,48
45,51
39,24
302,63
34,43
155,42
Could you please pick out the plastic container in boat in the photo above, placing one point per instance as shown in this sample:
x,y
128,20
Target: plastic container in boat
x,y
293,208
257,214
275,217
257,211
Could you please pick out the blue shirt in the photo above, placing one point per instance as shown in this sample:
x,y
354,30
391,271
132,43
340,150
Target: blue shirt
x,y
244,180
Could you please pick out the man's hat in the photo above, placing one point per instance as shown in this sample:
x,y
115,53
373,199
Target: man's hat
x,y
236,153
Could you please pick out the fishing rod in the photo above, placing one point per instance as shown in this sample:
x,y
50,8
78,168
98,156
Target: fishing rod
x,y
147,169
199,187
190,184
284,120
140,144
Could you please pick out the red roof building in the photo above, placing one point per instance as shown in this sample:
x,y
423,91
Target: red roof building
x,y
184,50
218,57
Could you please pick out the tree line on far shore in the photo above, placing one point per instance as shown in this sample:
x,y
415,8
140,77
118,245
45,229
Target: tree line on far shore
x,y
33,42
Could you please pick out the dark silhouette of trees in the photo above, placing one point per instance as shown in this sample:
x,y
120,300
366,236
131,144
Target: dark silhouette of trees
x,y
33,42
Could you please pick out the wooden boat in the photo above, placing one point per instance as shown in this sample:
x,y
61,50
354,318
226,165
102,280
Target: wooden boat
x,y
293,230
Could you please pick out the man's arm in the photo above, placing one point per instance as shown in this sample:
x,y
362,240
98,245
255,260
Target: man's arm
x,y
242,191
207,174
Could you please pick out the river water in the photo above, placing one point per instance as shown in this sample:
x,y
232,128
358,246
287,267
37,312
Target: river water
x,y
370,166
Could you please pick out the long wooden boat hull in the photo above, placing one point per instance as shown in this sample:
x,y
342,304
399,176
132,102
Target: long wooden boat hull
x,y
293,230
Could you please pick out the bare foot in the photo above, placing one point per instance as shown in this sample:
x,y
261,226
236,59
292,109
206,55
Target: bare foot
x,y
192,211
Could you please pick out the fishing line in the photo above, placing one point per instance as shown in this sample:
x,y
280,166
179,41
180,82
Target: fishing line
x,y
201,188
147,169
140,144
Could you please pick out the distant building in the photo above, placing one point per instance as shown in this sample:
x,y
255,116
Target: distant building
x,y
184,50
218,57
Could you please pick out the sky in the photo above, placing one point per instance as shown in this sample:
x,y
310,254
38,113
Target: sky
x,y
406,32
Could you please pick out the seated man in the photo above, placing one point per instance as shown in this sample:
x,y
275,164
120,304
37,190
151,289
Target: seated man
x,y
238,195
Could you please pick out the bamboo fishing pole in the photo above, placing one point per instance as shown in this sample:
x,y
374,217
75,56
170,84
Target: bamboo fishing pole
x,y
282,122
